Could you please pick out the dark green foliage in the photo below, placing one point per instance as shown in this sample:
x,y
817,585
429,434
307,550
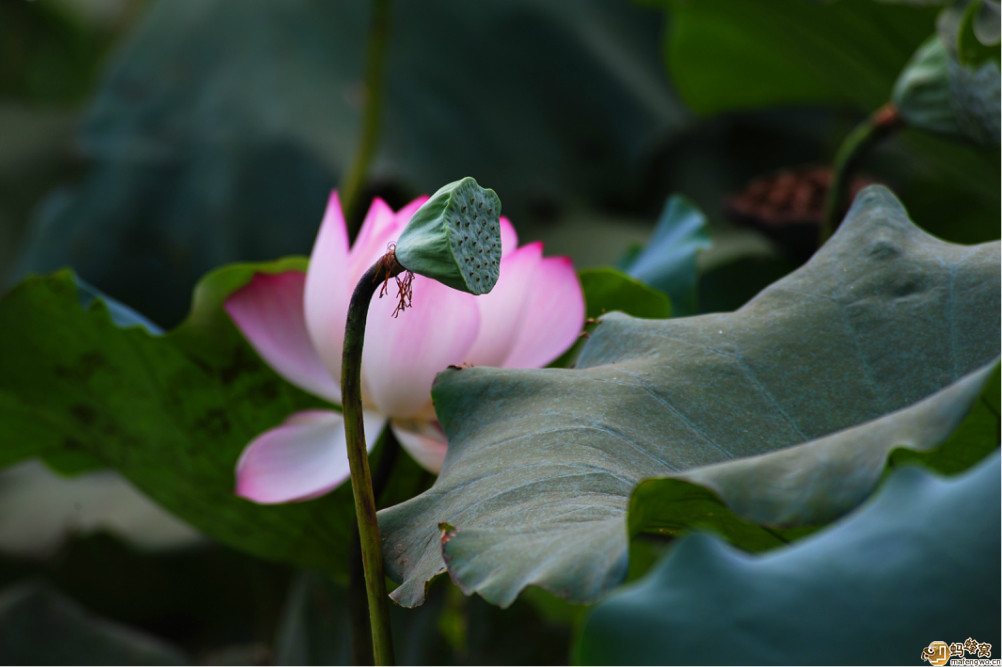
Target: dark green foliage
x,y
608,290
170,412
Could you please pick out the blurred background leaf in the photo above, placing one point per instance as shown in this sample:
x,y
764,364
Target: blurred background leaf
x,y
607,290
43,627
819,68
668,261
223,145
50,58
727,55
200,597
938,93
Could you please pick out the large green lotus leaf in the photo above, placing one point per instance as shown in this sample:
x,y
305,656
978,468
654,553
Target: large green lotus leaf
x,y
918,564
75,461
169,412
730,498
885,332
224,145
726,55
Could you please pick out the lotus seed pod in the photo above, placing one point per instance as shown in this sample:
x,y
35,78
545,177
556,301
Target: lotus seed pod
x,y
455,238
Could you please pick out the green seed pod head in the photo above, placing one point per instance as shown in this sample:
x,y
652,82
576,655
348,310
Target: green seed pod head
x,y
455,238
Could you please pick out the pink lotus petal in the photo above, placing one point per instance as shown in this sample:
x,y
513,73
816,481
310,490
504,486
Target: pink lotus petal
x,y
424,441
328,288
501,309
269,313
553,317
402,355
376,219
303,458
407,212
381,229
509,239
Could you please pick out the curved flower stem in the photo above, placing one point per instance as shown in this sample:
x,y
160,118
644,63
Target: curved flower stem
x,y
375,67
877,126
358,458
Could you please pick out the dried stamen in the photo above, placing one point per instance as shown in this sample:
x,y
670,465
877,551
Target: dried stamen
x,y
405,292
389,267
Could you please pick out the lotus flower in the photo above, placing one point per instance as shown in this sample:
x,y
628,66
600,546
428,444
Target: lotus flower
x,y
296,322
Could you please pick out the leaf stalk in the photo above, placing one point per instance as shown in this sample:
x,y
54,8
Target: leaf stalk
x,y
864,136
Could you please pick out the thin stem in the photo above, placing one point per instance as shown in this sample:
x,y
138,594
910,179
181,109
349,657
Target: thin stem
x,y
877,126
372,119
358,608
358,458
